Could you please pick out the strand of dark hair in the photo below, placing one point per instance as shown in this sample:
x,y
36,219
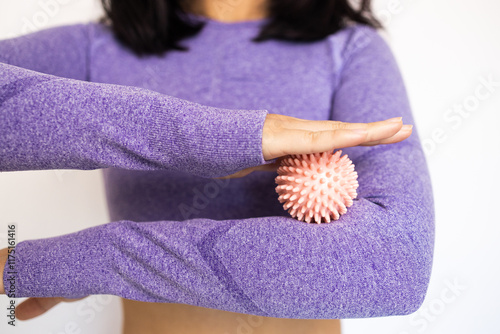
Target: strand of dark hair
x,y
157,26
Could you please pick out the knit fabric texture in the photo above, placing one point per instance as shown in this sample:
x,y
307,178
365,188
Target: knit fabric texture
x,y
162,128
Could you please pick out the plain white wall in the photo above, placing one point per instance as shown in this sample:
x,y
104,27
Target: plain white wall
x,y
446,50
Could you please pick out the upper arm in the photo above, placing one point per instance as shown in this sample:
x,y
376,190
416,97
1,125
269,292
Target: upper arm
x,y
61,51
370,88
394,177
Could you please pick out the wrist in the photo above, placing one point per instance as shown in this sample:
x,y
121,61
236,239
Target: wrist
x,y
71,266
208,141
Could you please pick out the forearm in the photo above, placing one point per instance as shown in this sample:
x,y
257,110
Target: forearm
x,y
48,122
374,261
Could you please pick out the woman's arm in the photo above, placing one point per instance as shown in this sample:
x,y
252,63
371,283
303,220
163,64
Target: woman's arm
x,y
50,118
49,122
374,261
272,266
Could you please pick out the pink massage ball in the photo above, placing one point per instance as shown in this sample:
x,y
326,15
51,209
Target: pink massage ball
x,y
317,185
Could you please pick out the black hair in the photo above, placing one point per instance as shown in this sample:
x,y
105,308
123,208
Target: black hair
x,y
156,26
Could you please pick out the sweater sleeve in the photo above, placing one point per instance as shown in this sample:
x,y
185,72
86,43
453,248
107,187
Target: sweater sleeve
x,y
49,121
374,261
61,51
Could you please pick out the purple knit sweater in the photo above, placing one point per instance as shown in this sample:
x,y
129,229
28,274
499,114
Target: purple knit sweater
x,y
162,128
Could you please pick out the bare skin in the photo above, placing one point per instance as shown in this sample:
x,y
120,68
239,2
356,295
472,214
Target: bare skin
x,y
229,10
282,135
149,318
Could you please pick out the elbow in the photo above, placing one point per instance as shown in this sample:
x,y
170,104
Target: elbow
x,y
398,243
397,288
395,271
422,237
402,290
412,291
412,256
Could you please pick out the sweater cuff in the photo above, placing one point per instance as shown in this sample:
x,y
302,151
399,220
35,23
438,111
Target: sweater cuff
x,y
72,266
208,141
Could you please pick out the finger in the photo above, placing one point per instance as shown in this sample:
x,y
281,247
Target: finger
x,y
402,134
244,172
232,176
325,125
269,167
304,142
241,173
281,137
382,131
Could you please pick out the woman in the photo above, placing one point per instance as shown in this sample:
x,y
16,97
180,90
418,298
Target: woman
x,y
192,253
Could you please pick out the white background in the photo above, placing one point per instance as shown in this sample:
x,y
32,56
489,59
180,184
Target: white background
x,y
445,48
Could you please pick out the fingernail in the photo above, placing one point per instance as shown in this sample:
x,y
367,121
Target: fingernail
x,y
407,127
395,119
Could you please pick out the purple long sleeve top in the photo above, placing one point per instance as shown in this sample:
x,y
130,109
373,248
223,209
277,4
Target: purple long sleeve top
x,y
163,127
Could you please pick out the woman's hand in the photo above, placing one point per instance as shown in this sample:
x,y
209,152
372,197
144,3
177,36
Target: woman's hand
x,y
285,135
36,306
31,307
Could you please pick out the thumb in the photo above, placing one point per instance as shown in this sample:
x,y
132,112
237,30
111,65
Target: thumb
x,y
33,307
244,172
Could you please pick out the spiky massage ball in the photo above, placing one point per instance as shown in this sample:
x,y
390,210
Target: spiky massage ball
x,y
319,185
